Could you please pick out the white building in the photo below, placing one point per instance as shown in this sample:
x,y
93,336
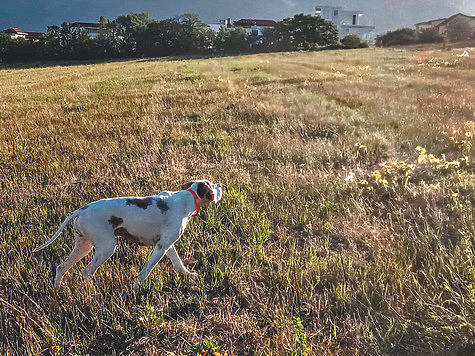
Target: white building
x,y
347,22
252,26
216,26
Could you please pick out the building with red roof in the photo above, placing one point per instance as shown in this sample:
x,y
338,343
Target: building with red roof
x,y
16,32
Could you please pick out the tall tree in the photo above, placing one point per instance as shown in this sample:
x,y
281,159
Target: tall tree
x,y
108,40
196,35
67,42
163,38
301,32
232,40
128,29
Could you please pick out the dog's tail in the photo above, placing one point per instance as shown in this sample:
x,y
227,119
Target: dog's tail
x,y
61,228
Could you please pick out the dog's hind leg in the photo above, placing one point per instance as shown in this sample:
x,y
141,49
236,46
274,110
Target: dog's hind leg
x,y
103,250
82,247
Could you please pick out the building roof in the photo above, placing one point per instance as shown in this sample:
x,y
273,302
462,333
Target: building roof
x,y
34,35
430,21
14,30
254,22
453,16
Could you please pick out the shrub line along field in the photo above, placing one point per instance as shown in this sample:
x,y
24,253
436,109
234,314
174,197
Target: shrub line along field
x,y
346,225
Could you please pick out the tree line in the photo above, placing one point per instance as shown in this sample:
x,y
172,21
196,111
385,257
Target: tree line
x,y
138,35
408,36
456,30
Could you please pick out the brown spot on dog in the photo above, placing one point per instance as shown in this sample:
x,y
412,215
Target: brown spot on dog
x,y
162,205
115,221
142,203
122,232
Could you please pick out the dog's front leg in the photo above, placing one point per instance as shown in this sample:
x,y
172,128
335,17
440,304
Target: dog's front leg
x,y
157,254
177,262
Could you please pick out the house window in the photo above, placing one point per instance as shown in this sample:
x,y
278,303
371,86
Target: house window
x,y
354,19
335,13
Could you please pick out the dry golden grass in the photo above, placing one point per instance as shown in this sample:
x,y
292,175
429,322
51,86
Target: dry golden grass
x,y
334,236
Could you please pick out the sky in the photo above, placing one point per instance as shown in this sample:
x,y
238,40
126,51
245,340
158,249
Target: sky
x,y
36,15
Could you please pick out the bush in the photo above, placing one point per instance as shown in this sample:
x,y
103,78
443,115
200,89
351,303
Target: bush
x,y
429,36
403,36
353,41
407,36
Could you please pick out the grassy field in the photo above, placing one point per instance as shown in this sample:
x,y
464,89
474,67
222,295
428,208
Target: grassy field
x,y
346,226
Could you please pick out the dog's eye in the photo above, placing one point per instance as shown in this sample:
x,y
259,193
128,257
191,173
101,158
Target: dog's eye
x,y
208,196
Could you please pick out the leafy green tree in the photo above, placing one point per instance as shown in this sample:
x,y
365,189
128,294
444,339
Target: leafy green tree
x,y
196,37
163,38
232,40
16,49
127,32
133,23
6,44
255,42
302,32
49,44
68,42
109,41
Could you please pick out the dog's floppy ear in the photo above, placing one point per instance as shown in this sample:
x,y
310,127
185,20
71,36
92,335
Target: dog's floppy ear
x,y
202,189
186,185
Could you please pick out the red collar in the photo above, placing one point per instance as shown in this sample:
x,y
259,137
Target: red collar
x,y
197,202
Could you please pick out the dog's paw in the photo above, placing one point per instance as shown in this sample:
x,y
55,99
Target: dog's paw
x,y
190,273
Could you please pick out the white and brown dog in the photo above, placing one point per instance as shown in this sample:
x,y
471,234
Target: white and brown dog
x,y
157,221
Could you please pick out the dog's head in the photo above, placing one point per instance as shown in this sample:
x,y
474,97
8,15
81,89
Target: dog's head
x,y
206,191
